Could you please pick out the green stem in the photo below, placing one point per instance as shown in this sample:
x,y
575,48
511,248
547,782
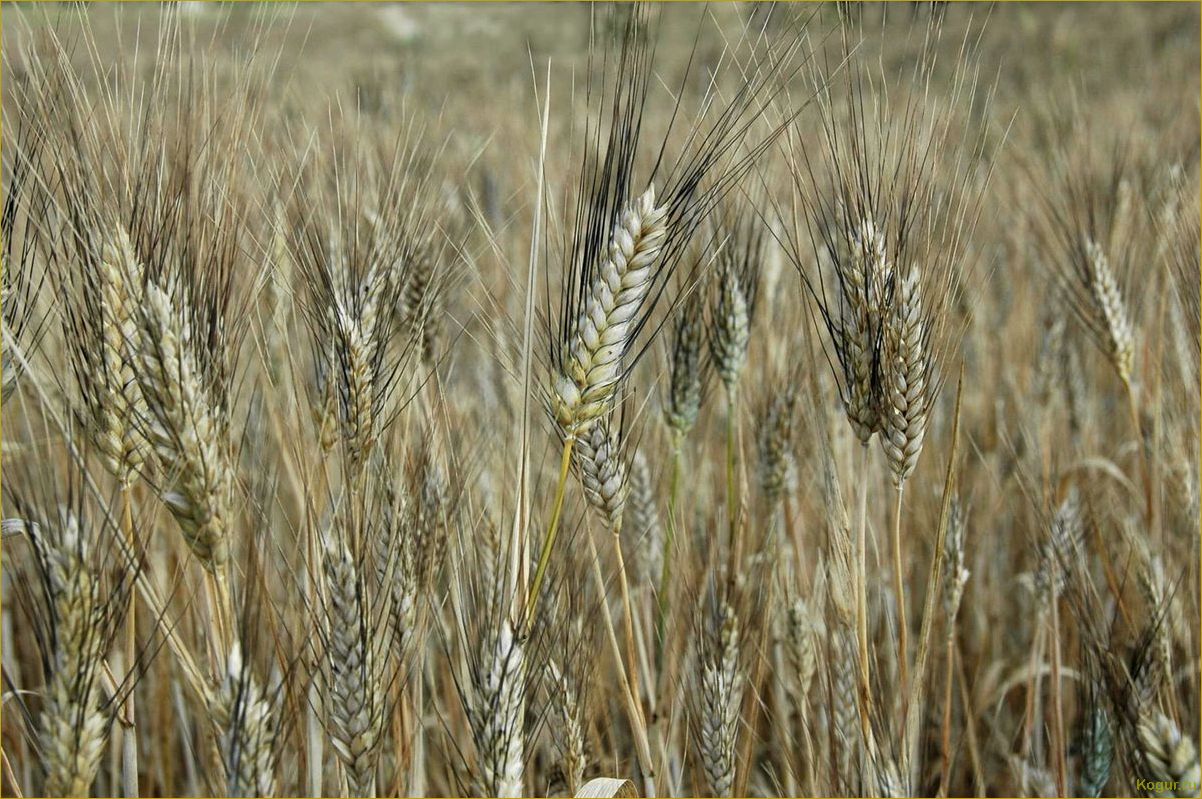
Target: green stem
x,y
544,556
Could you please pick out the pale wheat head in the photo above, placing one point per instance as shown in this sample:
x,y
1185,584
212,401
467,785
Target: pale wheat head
x,y
185,426
246,722
587,381
74,726
686,384
603,470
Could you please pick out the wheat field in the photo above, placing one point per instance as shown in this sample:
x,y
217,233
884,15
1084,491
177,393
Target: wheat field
x,y
586,399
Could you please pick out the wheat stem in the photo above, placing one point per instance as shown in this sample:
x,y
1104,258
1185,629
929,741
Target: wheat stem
x,y
899,591
631,654
1144,459
642,745
1061,768
665,578
945,739
129,734
865,685
732,489
544,556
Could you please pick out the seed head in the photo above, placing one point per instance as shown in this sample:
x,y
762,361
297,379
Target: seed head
x,y
604,330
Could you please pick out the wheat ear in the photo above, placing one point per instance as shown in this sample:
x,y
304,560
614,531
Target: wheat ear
x,y
642,520
359,351
866,277
1097,747
1109,302
721,699
245,719
602,333
74,725
356,703
569,727
602,471
907,381
730,331
119,402
804,628
685,386
496,715
185,429
774,443
1169,754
